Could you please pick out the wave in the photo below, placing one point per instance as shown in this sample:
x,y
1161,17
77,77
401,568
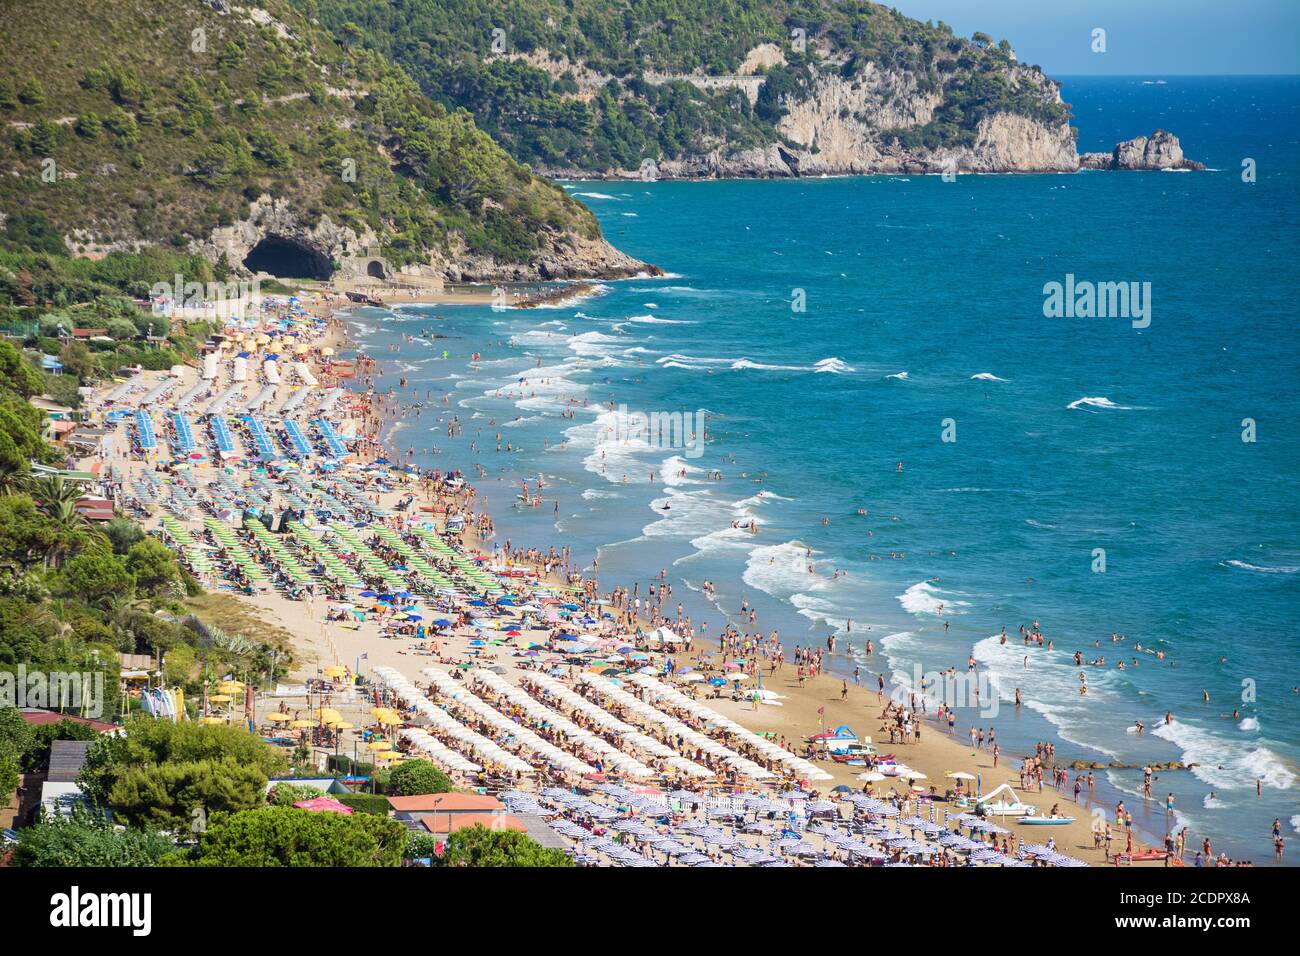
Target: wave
x,y
925,598
746,363
1097,401
1260,569
1248,724
781,570
539,337
677,357
901,376
1223,763
986,377
834,366
597,196
1049,686
655,320
674,471
687,514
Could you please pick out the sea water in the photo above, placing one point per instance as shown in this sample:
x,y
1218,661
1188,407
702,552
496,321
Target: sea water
x,y
881,343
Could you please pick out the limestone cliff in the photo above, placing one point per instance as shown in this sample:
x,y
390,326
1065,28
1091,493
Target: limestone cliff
x,y
858,124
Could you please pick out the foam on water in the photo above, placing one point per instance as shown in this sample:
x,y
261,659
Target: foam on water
x,y
925,597
1258,569
1049,685
1222,762
1097,401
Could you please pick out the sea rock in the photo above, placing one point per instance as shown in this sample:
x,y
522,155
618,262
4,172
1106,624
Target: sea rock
x,y
1161,150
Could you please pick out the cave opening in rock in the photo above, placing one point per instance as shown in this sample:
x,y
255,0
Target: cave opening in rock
x,y
287,259
375,269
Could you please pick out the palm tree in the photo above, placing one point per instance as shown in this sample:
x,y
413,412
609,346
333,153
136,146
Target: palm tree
x,y
57,498
56,495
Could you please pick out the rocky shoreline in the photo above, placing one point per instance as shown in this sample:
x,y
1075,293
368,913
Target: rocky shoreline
x,y
1158,152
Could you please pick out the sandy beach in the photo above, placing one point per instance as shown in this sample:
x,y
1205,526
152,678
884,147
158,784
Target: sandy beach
x,y
333,634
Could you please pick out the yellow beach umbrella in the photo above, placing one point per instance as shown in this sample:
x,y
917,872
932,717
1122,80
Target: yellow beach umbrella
x,y
327,351
302,724
328,714
220,698
278,718
379,745
335,671
340,725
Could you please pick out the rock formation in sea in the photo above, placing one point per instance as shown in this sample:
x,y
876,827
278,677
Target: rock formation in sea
x,y
1161,150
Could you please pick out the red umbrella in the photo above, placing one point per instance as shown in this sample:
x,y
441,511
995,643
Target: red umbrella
x,y
323,804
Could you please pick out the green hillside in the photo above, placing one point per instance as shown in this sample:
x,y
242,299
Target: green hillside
x,y
552,117
159,120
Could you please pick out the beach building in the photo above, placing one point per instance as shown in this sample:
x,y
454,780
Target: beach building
x,y
445,824
444,813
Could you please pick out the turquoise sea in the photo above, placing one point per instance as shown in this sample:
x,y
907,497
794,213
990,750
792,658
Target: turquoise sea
x,y
924,315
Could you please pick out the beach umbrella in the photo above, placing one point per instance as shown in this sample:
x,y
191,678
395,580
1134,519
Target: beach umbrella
x,y
220,698
378,745
302,724
871,776
335,671
278,718
323,804
212,720
960,775
340,725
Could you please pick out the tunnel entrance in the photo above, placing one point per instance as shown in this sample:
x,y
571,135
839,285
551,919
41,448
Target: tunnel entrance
x,y
375,269
287,259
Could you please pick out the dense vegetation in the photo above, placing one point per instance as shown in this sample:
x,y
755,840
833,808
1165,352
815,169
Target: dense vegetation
x,y
162,119
415,777
479,846
591,109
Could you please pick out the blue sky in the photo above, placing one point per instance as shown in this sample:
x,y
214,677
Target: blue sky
x,y
1143,37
